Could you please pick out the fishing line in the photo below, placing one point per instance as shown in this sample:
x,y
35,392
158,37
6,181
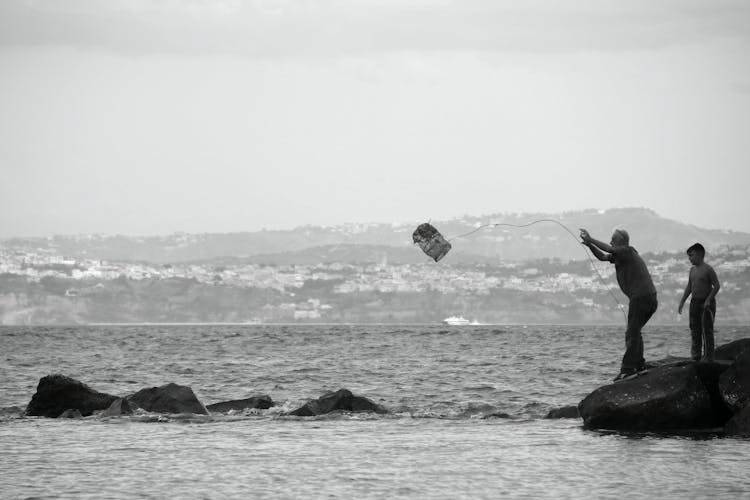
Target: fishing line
x,y
586,250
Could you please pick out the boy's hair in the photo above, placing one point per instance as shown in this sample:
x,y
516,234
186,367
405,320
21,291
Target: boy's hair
x,y
697,248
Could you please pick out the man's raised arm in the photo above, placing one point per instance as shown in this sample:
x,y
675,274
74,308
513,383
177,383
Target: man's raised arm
x,y
596,246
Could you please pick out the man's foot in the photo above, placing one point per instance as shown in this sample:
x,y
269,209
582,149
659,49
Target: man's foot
x,y
624,374
630,374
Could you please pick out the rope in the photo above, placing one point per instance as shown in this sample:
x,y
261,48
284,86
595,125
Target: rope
x,y
586,251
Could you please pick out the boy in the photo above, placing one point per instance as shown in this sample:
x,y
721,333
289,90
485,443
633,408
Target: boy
x,y
703,284
635,282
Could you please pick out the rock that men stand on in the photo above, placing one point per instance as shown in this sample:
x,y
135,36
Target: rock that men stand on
x,y
636,283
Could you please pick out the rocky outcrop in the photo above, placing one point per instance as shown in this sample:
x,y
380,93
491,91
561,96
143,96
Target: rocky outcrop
x,y
732,350
681,395
734,384
739,424
734,388
57,393
170,398
341,400
262,402
670,397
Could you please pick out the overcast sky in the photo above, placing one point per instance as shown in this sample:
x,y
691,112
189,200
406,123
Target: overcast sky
x,y
156,116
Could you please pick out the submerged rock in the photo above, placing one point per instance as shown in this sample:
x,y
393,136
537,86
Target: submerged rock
x,y
498,414
57,393
564,412
665,398
262,402
118,408
70,413
170,398
342,399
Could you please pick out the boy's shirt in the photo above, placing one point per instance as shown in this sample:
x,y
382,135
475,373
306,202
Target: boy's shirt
x,y
702,278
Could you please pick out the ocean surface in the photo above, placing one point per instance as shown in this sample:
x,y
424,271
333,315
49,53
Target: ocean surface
x,y
439,383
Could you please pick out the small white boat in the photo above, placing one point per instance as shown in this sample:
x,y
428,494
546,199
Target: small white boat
x,y
456,321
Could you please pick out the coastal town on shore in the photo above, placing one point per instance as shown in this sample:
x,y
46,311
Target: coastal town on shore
x,y
316,292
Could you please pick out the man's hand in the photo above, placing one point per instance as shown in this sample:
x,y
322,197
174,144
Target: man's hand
x,y
585,236
679,308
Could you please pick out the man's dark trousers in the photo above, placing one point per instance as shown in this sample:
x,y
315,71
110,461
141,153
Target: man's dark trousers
x,y
640,311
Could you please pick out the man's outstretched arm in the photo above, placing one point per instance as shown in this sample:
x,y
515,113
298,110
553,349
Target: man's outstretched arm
x,y
596,246
597,253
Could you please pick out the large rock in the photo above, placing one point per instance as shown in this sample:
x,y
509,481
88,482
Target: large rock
x,y
342,399
739,425
170,398
732,350
734,383
666,398
57,393
262,402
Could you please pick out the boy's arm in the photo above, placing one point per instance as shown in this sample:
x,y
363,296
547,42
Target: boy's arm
x,y
684,297
715,285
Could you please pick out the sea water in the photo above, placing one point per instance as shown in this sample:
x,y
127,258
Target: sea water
x,y
467,407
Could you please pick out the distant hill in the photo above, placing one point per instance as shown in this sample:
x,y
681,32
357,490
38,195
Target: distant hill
x,y
374,242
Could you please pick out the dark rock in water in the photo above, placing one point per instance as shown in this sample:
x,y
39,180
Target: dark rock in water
x,y
57,393
70,413
564,412
499,414
678,395
734,383
170,398
118,408
732,350
262,402
665,398
342,399
739,425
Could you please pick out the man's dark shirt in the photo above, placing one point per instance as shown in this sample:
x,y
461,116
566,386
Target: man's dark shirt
x,y
632,274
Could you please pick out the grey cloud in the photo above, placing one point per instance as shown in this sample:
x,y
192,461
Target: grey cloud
x,y
310,28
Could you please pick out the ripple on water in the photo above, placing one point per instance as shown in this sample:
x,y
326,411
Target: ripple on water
x,y
439,382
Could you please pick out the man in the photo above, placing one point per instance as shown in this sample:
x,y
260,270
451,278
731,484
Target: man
x,y
635,282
